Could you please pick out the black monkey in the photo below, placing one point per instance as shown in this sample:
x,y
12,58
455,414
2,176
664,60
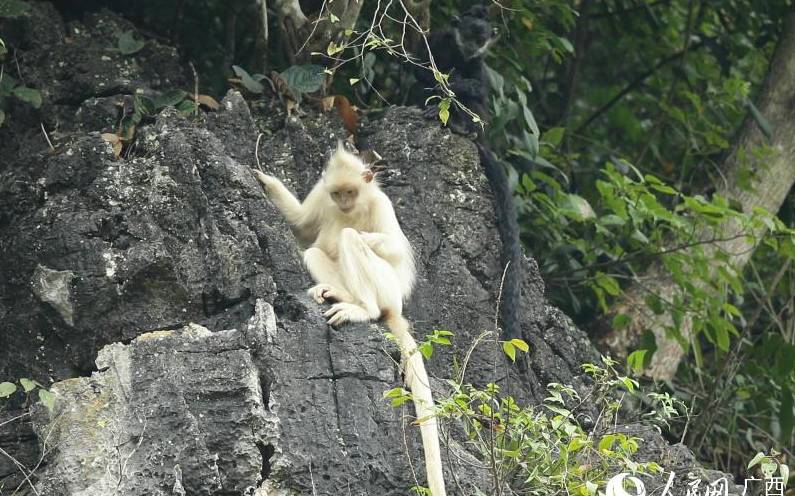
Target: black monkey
x,y
459,52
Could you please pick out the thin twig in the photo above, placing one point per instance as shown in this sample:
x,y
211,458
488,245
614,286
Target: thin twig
x,y
256,153
44,132
195,89
312,479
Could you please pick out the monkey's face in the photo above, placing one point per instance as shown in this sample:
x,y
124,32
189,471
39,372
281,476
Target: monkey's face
x,y
345,196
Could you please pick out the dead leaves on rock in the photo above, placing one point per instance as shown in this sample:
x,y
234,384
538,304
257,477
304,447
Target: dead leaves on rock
x,y
115,142
348,112
207,101
135,108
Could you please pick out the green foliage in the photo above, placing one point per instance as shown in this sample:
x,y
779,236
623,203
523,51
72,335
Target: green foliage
x,y
14,8
45,397
128,44
304,78
510,347
437,337
12,89
545,450
769,465
7,389
251,83
621,183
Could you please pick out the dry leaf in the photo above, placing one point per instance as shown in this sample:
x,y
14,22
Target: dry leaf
x,y
115,142
327,103
291,105
208,102
348,114
370,157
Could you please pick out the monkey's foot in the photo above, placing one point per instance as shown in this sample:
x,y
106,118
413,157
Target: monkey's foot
x,y
339,313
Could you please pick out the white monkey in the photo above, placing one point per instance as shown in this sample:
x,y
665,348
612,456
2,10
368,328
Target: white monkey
x,y
359,257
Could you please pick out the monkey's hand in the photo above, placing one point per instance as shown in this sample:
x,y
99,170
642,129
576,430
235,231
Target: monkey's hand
x,y
269,182
287,204
324,292
384,245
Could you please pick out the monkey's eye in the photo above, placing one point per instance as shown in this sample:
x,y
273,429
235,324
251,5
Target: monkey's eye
x,y
335,194
351,192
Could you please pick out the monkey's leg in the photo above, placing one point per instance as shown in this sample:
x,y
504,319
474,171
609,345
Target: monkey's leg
x,y
371,281
325,273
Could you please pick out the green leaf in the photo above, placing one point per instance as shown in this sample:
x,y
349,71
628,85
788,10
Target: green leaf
x,y
444,110
620,321
636,360
7,389
578,207
553,136
530,120
170,98
306,78
566,44
576,443
519,343
612,220
607,442
628,383
14,8
249,82
722,338
28,95
128,45
609,284
27,384
764,125
393,393
47,399
426,349
768,467
509,350
144,105
186,107
755,460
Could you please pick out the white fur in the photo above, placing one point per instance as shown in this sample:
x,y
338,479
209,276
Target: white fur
x,y
362,260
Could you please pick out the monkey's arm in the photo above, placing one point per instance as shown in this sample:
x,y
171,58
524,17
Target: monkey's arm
x,y
293,211
387,246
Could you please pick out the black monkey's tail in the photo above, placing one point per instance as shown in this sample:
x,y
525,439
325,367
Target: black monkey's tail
x,y
511,255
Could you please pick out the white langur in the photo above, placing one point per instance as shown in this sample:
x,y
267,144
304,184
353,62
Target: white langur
x,y
361,260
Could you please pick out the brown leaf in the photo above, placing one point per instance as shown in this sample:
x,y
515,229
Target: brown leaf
x,y
115,141
327,103
348,114
208,102
370,157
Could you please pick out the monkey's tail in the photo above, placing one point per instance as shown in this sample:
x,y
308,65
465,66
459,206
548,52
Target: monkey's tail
x,y
417,381
511,255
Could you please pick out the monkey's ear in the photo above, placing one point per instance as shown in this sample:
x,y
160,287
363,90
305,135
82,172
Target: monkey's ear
x,y
368,176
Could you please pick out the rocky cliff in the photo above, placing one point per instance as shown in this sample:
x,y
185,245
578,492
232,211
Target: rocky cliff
x,y
164,295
